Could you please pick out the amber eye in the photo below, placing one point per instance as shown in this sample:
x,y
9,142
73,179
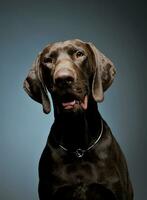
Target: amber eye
x,y
79,54
48,60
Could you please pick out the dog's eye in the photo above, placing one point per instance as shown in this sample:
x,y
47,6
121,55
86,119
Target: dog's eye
x,y
79,54
48,60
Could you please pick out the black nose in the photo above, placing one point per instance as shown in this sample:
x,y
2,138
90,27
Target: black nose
x,y
64,78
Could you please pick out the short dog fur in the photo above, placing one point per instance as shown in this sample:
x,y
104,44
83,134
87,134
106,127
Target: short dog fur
x,y
81,159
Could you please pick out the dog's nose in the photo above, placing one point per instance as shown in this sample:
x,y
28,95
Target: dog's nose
x,y
64,78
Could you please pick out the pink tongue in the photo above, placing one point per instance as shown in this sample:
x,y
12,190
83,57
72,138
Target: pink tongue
x,y
69,105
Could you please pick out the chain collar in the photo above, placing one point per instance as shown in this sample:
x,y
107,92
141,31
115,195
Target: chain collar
x,y
80,152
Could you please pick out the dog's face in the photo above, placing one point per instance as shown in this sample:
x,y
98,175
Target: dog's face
x,y
66,72
72,71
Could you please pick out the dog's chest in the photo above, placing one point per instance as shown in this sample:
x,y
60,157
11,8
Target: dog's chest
x,y
77,172
71,169
91,168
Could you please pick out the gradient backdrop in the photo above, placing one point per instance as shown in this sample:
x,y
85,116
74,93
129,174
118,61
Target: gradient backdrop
x,y
118,29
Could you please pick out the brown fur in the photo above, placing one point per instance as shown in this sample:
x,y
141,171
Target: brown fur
x,y
77,72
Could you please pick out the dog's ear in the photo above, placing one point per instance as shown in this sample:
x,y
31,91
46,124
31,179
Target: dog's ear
x,y
104,72
35,87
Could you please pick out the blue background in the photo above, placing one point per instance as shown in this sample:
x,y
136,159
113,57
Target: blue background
x,y
118,29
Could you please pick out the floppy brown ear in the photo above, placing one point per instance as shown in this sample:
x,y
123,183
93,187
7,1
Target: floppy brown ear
x,y
35,87
104,72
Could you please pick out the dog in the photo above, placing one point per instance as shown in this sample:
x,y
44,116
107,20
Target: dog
x,y
81,159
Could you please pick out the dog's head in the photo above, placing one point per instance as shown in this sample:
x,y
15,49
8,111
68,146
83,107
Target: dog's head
x,y
72,71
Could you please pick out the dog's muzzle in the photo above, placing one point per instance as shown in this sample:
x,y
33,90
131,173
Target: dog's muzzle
x,y
64,78
67,90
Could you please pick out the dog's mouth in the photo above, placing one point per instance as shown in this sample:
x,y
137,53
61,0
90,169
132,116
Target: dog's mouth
x,y
70,104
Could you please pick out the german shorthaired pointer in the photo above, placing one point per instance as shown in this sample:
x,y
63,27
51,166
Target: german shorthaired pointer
x,y
81,159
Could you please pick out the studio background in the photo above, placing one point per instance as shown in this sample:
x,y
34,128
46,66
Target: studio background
x,y
118,29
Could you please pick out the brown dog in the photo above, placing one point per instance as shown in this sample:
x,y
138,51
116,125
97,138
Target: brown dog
x,y
81,160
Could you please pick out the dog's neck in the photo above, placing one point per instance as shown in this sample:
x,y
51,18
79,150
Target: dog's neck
x,y
78,129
